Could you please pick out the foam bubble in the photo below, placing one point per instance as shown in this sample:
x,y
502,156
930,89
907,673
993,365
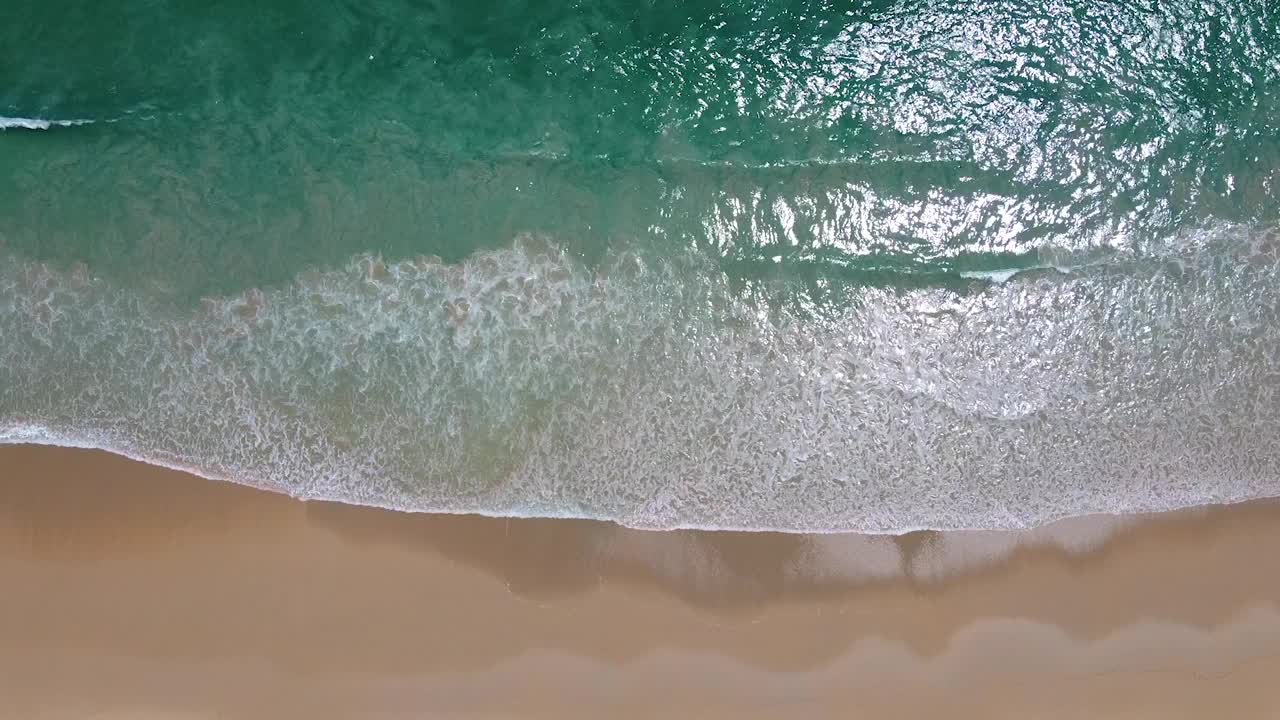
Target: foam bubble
x,y
647,391
20,123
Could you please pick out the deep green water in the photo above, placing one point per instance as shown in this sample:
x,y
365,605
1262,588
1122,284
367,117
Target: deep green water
x,y
745,264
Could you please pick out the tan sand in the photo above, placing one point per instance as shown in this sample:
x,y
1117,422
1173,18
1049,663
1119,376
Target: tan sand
x,y
128,591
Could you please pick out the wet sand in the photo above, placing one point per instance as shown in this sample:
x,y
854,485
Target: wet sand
x,y
128,591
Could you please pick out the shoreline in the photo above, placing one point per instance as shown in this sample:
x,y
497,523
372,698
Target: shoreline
x,y
132,589
183,469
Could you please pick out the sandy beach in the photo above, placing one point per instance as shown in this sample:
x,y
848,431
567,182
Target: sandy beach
x,y
131,591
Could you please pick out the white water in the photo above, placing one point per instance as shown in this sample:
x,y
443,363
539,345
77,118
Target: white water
x,y
18,123
522,383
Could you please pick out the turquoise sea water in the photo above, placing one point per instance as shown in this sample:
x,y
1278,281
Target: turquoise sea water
x,y
768,265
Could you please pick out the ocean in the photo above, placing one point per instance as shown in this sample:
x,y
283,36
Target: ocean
x,y
766,265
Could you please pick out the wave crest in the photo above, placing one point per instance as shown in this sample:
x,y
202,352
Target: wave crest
x,y
21,123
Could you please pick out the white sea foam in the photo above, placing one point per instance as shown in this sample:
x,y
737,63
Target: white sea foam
x,y
521,382
995,276
1006,274
18,123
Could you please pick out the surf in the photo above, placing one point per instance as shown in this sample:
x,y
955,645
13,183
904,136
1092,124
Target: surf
x,y
651,391
25,123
